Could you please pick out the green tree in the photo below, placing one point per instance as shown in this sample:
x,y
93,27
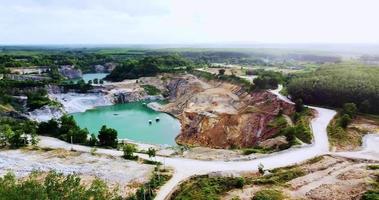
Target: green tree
x,y
345,120
93,140
151,152
221,72
350,109
68,127
365,106
6,133
96,81
107,136
299,105
50,128
18,139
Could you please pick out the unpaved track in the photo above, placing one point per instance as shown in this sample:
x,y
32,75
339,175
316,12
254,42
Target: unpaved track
x,y
185,168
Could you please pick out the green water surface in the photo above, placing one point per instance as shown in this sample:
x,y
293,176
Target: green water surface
x,y
131,120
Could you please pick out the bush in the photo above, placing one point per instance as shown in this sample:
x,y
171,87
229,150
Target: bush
x,y
129,150
345,120
350,109
37,99
261,150
373,167
280,176
107,137
50,128
54,186
206,188
151,90
66,129
268,194
13,133
148,190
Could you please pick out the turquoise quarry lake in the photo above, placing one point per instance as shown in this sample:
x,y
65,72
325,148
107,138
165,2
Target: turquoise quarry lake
x,y
91,76
131,120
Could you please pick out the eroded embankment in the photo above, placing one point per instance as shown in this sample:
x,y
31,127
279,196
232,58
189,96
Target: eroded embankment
x,y
222,115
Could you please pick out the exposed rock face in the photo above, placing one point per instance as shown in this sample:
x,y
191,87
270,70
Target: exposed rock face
x,y
127,95
222,115
74,102
274,143
26,77
70,72
45,113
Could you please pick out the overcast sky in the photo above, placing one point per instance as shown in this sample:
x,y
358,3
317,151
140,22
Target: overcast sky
x,y
188,21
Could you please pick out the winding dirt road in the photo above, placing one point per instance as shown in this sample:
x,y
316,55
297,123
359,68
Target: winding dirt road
x,y
185,168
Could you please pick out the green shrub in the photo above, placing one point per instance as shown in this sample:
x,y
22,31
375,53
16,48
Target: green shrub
x,y
129,150
151,90
261,150
206,188
268,194
107,137
373,167
371,195
148,190
54,186
280,176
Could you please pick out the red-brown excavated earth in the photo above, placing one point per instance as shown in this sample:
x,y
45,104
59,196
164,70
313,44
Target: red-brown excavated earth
x,y
222,115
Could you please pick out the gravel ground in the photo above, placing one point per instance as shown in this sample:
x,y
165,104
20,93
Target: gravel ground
x,y
113,170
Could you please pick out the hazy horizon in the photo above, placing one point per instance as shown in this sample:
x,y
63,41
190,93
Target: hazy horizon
x,y
85,22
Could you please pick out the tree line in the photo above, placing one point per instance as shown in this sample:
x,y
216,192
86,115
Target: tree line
x,y
335,85
148,66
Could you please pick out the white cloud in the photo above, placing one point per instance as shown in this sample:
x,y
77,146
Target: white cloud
x,y
195,21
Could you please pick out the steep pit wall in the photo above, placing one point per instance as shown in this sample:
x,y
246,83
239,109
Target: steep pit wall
x,y
221,115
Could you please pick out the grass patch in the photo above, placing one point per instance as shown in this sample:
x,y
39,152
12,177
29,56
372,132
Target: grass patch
x,y
149,190
278,122
261,150
151,162
372,194
373,167
279,176
314,160
268,194
206,188
151,90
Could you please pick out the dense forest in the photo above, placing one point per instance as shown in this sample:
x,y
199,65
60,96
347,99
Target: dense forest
x,y
335,85
86,58
148,66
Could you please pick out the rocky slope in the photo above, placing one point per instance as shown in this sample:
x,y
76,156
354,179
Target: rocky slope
x,y
221,115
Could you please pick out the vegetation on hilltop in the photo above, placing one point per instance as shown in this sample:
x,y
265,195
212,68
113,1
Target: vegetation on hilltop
x,y
148,66
335,85
267,79
65,129
13,132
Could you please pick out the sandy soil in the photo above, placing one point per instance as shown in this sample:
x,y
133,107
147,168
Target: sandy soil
x,y
114,170
331,178
236,70
204,153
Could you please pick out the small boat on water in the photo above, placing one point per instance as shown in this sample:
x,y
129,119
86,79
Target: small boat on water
x,y
150,122
157,119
